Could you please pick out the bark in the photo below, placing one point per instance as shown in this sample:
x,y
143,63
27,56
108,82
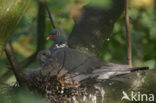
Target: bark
x,y
94,27
111,91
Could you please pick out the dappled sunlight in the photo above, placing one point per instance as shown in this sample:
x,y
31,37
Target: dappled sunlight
x,y
23,46
142,3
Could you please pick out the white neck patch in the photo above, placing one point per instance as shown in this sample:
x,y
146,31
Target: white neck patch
x,y
61,46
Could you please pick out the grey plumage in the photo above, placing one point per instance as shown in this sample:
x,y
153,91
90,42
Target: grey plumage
x,y
78,64
43,56
82,66
59,38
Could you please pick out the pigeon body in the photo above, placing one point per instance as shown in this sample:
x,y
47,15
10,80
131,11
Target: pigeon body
x,y
79,64
84,66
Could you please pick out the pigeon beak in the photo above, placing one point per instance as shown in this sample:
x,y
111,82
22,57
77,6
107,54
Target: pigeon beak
x,y
50,37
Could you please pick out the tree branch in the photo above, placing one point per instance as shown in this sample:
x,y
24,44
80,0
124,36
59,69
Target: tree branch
x,y
50,16
95,26
128,36
14,65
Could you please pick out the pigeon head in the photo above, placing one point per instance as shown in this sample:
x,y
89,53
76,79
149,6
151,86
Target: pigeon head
x,y
59,37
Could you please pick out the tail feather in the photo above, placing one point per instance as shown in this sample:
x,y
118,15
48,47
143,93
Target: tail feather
x,y
138,68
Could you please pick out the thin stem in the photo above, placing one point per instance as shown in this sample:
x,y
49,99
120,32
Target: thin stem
x,y
128,36
50,16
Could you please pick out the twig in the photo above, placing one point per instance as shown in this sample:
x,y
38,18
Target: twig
x,y
50,16
128,36
13,62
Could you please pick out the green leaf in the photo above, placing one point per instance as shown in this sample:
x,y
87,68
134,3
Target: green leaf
x,y
11,12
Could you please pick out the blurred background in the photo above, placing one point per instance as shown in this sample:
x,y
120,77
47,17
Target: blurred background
x,y
142,27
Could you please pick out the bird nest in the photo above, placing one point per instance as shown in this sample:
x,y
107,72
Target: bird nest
x,y
56,88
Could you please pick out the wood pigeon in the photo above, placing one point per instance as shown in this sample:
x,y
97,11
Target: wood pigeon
x,y
78,64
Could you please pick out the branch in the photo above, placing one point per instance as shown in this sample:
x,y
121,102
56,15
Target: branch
x,y
50,16
95,26
13,62
128,36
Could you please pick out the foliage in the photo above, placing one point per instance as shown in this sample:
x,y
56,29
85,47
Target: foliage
x,y
142,27
11,12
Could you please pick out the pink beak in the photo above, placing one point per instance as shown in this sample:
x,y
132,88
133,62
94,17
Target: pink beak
x,y
50,37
